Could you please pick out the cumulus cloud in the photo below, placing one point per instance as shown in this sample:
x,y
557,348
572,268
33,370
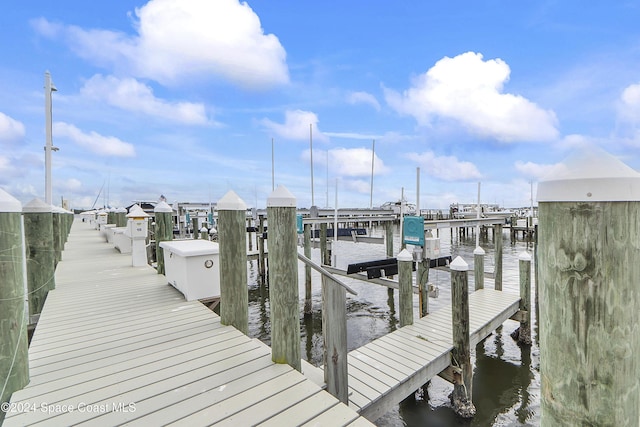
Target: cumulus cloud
x,y
11,130
630,103
93,141
538,171
446,168
180,40
355,162
469,91
296,126
131,95
363,98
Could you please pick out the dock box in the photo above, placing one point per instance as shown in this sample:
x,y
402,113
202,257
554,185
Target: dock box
x,y
193,267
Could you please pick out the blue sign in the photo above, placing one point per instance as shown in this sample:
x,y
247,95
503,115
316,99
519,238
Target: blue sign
x,y
299,222
413,230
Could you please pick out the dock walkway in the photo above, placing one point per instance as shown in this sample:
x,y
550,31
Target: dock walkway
x,y
390,368
115,344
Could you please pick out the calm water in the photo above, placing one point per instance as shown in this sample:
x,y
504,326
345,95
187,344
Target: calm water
x,y
506,388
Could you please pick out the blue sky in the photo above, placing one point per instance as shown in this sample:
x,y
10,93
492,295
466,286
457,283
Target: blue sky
x,y
183,98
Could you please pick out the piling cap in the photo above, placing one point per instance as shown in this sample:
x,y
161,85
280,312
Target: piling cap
x,y
163,207
404,255
231,202
591,175
459,264
281,198
37,206
478,251
57,209
121,209
136,212
8,203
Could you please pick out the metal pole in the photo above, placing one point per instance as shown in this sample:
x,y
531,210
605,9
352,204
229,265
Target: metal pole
x,y
313,200
48,89
373,158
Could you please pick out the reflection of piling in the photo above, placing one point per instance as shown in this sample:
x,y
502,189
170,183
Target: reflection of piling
x,y
461,354
14,365
589,294
38,233
283,278
232,233
164,231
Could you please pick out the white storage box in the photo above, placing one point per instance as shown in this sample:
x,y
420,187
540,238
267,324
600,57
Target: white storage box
x,y
193,267
121,241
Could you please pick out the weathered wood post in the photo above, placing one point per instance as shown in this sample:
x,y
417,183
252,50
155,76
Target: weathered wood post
x,y
461,354
308,309
164,231
14,364
523,333
589,218
388,239
283,278
195,228
204,233
57,234
334,325
324,253
38,233
261,263
405,287
498,260
250,233
422,277
478,267
232,238
121,217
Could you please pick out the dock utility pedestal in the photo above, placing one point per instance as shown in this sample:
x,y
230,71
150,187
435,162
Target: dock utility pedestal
x,y
193,267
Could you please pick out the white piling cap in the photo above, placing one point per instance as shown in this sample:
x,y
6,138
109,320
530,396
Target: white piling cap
x,y
459,264
404,255
8,203
524,256
281,198
592,175
136,212
162,207
58,210
121,209
231,202
37,206
478,251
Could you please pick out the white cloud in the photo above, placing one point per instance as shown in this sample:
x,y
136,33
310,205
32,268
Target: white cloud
x,y
630,103
538,171
131,95
446,168
181,40
71,184
11,130
296,126
468,90
355,162
363,98
93,141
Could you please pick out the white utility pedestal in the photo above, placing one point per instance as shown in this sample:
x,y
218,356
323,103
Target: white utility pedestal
x,y
193,267
137,227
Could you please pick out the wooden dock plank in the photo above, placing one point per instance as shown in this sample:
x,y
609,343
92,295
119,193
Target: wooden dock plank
x,y
111,335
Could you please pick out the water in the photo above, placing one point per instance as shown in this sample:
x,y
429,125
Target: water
x,y
506,387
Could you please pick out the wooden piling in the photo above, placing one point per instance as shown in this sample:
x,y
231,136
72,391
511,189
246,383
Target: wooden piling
x,y
261,261
283,278
232,235
589,295
478,267
334,326
14,364
523,333
250,233
461,397
422,277
498,259
308,309
164,231
121,217
194,227
324,253
38,233
57,235
405,287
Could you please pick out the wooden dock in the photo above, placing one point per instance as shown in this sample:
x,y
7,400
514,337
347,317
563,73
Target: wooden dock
x,y
390,368
115,344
